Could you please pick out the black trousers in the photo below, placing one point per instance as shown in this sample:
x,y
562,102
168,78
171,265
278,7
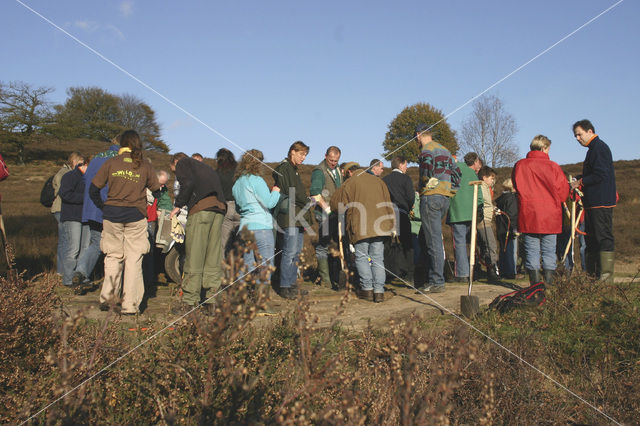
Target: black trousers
x,y
599,228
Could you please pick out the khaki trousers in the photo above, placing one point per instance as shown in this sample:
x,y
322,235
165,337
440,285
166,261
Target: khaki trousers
x,y
124,244
203,261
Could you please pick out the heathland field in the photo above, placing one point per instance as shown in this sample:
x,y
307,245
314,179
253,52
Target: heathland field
x,y
327,358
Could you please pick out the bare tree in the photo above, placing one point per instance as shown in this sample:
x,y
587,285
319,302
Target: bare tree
x,y
23,111
490,131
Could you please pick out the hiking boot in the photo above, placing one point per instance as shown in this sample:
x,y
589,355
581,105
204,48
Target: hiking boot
x,y
209,309
383,297
365,295
181,309
607,259
300,291
78,279
288,293
106,307
548,276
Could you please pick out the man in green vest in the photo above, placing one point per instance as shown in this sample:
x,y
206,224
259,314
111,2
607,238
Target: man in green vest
x,y
325,179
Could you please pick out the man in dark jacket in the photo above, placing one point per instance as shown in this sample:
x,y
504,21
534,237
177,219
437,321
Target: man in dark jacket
x,y
293,216
72,193
399,257
202,193
598,181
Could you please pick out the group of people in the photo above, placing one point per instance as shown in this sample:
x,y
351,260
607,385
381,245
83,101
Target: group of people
x,y
380,227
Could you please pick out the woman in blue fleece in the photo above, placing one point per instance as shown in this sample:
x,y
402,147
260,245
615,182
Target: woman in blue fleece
x,y
254,202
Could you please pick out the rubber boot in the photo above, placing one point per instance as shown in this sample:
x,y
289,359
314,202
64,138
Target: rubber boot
x,y
323,271
534,276
606,266
591,262
548,276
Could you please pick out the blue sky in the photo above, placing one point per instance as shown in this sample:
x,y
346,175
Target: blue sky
x,y
265,74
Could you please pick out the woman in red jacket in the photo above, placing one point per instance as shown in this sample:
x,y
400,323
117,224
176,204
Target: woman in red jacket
x,y
542,187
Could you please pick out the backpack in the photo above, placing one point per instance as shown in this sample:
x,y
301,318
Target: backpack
x,y
530,296
47,195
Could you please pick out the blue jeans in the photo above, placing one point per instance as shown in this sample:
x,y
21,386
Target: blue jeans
x,y
266,247
73,238
62,245
372,273
537,245
291,248
460,231
433,208
90,248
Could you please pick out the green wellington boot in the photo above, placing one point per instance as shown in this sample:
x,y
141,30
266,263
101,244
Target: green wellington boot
x,y
548,276
323,271
606,266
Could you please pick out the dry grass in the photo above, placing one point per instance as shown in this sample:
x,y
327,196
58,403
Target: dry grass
x,y
226,370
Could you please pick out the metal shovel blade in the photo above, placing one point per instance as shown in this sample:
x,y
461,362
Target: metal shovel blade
x,y
469,306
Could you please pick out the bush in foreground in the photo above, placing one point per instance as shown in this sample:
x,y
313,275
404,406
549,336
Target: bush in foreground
x,y
233,369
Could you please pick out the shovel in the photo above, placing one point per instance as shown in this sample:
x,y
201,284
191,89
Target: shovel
x,y
342,275
470,305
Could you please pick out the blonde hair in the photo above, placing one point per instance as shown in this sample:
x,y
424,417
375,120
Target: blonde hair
x,y
508,184
539,143
74,158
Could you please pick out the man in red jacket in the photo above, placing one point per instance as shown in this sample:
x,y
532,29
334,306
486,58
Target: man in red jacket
x,y
542,187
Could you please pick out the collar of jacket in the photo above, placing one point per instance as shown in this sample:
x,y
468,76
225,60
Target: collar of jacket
x,y
123,150
538,154
588,145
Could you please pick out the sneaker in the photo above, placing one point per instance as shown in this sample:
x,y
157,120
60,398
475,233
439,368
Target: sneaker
x,y
431,288
365,295
461,280
436,288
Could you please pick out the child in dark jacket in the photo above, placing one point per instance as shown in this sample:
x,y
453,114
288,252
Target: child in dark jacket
x,y
507,230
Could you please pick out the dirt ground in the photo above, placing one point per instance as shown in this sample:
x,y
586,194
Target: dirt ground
x,y
400,302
